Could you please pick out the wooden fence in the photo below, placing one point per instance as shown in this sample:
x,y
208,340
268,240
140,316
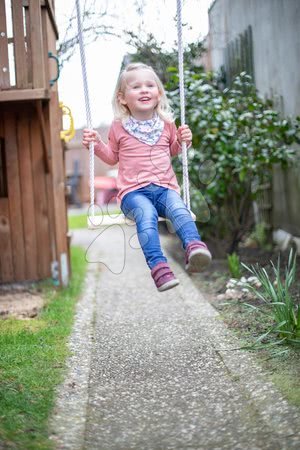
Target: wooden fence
x,y
239,56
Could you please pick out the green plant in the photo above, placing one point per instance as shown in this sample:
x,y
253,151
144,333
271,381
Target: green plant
x,y
234,265
242,136
276,294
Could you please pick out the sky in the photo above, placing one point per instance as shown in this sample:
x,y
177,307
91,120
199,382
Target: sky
x,y
104,57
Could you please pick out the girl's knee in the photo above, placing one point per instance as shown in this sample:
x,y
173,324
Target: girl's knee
x,y
177,210
180,217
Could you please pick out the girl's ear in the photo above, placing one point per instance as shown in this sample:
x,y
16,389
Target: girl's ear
x,y
121,99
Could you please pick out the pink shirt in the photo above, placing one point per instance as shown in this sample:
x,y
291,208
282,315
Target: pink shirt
x,y
140,164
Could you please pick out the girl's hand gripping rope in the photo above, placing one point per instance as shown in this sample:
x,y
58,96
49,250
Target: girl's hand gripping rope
x,y
90,136
184,134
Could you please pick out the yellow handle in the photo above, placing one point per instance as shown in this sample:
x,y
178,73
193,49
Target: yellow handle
x,y
67,135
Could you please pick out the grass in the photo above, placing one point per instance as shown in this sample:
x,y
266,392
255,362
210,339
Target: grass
x,y
286,376
75,222
32,358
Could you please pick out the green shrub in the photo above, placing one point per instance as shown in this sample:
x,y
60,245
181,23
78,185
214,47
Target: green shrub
x,y
242,136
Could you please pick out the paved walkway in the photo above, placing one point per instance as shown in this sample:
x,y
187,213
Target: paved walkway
x,y
158,371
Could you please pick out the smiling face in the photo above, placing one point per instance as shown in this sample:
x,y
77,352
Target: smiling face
x,y
140,93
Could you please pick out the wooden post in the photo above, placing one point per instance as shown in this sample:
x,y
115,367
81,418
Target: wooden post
x,y
14,195
19,45
41,200
58,173
27,196
58,179
36,38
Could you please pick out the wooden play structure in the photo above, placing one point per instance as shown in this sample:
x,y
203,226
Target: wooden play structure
x,y
33,216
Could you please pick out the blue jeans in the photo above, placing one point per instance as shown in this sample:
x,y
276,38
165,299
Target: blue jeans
x,y
144,205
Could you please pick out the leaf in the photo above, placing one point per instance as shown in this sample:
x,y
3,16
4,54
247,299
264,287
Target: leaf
x,y
172,69
242,175
251,306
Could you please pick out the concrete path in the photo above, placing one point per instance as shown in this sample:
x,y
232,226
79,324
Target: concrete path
x,y
159,371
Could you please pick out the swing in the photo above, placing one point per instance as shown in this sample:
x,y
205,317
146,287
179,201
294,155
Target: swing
x,y
96,221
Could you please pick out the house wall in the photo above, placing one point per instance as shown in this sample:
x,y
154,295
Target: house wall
x,y
276,50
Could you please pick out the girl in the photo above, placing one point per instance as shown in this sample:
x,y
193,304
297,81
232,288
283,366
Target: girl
x,y
142,139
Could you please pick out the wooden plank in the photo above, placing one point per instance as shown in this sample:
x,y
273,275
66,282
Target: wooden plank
x,y
6,260
4,66
14,196
49,188
36,38
27,195
52,18
19,44
29,50
250,50
58,177
24,94
45,140
49,184
40,200
51,41
46,48
3,174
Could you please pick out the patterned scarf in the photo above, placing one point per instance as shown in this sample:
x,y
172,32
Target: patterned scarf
x,y
146,131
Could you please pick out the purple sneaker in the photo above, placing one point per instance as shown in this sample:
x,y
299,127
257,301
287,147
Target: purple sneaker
x,y
163,277
197,256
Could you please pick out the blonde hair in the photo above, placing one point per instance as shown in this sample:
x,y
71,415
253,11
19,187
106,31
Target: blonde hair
x,y
121,112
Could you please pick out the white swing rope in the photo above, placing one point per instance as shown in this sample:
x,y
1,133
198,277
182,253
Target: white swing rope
x,y
186,190
87,111
185,170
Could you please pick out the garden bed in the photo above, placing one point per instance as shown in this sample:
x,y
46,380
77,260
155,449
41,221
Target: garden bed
x,y
247,323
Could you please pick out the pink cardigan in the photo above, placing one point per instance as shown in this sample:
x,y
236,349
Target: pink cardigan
x,y
140,164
